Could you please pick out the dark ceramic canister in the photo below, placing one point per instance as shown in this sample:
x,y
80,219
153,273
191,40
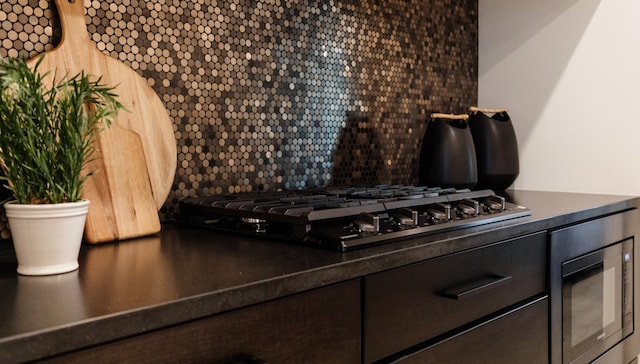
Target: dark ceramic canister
x,y
496,147
447,156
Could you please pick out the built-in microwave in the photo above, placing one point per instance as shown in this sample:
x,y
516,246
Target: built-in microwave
x,y
597,301
592,291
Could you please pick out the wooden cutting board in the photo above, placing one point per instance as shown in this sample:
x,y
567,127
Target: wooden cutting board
x,y
137,156
122,204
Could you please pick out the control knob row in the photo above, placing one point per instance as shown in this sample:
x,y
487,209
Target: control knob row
x,y
438,212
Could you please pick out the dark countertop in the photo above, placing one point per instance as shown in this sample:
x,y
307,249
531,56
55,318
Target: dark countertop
x,y
181,274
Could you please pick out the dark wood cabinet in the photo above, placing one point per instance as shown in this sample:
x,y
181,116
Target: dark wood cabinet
x,y
410,305
318,326
518,336
453,308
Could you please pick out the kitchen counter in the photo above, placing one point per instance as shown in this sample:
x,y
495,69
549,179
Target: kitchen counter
x,y
182,274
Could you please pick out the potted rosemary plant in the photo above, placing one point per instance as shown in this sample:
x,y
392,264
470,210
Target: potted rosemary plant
x,y
47,132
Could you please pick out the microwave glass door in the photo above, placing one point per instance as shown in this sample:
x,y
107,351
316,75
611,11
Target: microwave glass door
x,y
593,298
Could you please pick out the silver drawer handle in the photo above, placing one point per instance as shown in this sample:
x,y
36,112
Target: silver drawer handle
x,y
475,287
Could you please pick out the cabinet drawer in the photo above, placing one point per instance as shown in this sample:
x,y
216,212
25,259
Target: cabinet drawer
x,y
319,326
520,336
406,306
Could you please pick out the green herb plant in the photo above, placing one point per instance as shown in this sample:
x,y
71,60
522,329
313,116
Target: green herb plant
x,y
48,130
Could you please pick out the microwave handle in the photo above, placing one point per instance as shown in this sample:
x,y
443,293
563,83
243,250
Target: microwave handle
x,y
480,285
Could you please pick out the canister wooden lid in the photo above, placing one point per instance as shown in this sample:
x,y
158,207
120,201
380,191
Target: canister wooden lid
x,y
450,116
475,109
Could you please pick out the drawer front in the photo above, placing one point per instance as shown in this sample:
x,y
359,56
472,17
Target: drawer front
x,y
319,326
406,306
521,336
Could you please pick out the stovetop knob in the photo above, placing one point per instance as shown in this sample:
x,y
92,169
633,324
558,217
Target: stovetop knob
x,y
367,223
440,211
495,203
469,207
406,217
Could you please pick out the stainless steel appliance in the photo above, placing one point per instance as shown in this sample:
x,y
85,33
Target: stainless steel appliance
x,y
593,299
348,218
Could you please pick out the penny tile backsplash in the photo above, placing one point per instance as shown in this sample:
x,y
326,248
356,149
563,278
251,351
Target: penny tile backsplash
x,y
273,94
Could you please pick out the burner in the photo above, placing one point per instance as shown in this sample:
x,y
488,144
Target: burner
x,y
348,217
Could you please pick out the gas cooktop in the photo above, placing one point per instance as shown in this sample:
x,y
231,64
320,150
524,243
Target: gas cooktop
x,y
346,218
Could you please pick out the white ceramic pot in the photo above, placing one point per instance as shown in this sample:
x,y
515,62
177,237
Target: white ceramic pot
x,y
47,238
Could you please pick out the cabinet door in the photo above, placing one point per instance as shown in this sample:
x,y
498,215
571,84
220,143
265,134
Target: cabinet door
x,y
520,336
319,326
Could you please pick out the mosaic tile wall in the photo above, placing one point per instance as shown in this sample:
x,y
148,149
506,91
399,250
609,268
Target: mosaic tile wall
x,y
278,94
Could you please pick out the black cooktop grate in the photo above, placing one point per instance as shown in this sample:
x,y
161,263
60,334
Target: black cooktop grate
x,y
345,218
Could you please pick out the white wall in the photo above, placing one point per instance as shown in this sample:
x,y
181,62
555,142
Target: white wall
x,y
569,73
